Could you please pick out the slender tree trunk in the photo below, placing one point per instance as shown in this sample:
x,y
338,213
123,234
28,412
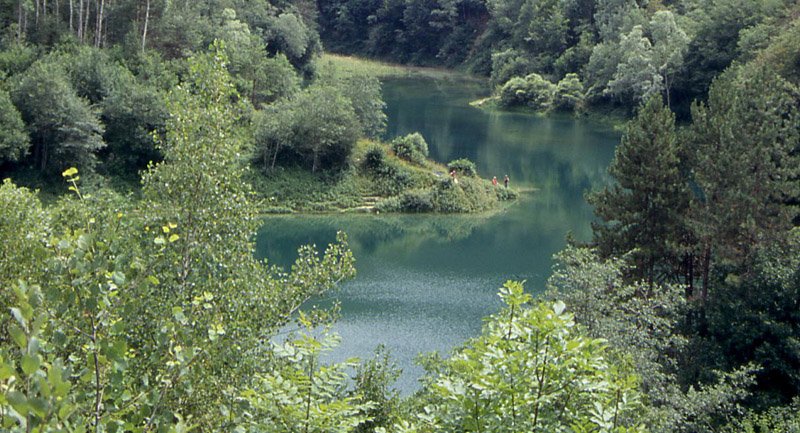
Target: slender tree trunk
x,y
44,158
706,269
20,22
80,20
689,275
275,157
98,37
36,8
86,20
71,13
146,21
315,162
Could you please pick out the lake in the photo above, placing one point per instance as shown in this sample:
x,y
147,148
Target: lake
x,y
425,281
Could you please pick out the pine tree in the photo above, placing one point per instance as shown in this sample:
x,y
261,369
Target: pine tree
x,y
745,142
643,212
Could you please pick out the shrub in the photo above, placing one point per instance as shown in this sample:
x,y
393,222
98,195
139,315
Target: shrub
x,y
514,92
504,194
463,167
375,159
569,93
417,201
541,92
450,198
412,147
533,91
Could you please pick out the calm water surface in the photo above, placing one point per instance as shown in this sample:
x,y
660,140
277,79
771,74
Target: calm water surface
x,y
425,281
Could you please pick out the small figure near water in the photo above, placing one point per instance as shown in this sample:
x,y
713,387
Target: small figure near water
x,y
453,176
494,180
505,180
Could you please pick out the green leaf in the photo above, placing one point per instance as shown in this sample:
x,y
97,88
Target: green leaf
x,y
573,344
174,238
159,241
18,335
64,411
118,277
17,313
70,172
38,406
30,363
18,401
177,313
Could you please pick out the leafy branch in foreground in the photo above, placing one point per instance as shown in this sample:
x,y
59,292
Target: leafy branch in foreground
x,y
530,370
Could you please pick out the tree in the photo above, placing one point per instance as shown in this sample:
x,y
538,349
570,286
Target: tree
x,y
643,213
301,393
195,198
134,114
14,141
751,317
542,29
637,74
364,93
534,91
670,44
64,129
647,327
326,127
615,18
273,132
23,230
744,141
259,76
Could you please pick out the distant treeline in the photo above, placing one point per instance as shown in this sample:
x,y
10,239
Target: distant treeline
x,y
621,50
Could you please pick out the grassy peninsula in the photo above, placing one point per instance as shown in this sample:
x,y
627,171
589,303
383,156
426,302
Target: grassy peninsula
x,y
376,179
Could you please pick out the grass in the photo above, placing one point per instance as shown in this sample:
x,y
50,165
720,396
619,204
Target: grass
x,y
356,65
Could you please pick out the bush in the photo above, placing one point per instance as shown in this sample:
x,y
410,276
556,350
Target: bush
x,y
504,194
463,167
375,159
416,201
569,93
412,147
514,92
533,91
450,198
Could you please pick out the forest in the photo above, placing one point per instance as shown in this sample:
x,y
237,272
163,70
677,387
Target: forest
x,y
139,140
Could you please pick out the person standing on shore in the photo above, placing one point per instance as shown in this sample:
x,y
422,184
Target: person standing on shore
x,y
505,180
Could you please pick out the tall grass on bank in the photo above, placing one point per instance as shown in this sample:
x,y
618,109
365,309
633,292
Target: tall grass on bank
x,y
360,66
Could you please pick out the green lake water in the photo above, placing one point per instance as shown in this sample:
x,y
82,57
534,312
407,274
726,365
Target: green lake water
x,y
425,281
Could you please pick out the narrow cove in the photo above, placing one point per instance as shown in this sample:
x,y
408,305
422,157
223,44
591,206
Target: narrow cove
x,y
425,281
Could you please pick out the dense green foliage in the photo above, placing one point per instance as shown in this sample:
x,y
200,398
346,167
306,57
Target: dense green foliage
x,y
147,312
529,370
713,207
623,51
125,313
